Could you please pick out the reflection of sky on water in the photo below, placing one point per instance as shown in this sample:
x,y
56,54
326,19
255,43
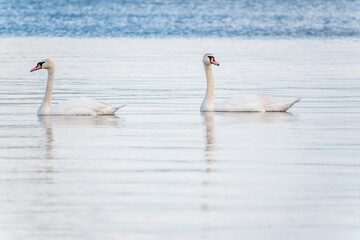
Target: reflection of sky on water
x,y
230,18
161,170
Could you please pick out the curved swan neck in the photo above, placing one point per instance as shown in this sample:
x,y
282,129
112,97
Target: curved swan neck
x,y
45,107
208,102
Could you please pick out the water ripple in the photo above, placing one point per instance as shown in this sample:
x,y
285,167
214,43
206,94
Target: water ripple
x,y
154,18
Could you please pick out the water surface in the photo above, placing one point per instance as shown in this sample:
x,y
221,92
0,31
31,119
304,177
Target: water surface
x,y
160,169
187,18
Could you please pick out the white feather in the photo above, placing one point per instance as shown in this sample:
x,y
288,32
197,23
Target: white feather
x,y
251,103
78,106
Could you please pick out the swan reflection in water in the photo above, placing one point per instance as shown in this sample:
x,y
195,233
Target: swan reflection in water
x,y
47,123
228,125
49,138
209,135
245,118
210,160
237,119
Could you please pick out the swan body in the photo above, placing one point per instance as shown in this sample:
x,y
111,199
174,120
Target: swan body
x,y
78,106
81,106
250,103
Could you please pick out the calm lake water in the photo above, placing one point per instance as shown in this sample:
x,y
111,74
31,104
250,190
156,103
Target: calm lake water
x,y
189,18
160,169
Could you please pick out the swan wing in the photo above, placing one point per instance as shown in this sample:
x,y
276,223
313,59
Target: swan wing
x,y
83,106
281,107
250,103
254,103
234,106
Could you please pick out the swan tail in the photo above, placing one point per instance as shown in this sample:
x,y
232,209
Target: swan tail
x,y
109,111
281,107
118,107
114,109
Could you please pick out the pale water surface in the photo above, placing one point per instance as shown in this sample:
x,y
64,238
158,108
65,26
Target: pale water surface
x,y
161,170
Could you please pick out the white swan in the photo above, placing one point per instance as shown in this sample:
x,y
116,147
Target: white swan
x,y
251,103
78,106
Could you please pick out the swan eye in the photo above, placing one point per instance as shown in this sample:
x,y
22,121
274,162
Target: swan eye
x,y
38,66
213,61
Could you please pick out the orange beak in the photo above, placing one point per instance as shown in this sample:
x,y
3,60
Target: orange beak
x,y
213,61
38,66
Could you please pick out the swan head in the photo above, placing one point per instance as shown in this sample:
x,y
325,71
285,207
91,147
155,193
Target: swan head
x,y
43,64
209,59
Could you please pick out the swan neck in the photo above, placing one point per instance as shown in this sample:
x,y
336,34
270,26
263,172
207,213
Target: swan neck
x,y
45,107
208,102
